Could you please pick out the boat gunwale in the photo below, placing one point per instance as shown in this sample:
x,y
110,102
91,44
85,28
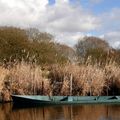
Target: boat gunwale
x,y
38,101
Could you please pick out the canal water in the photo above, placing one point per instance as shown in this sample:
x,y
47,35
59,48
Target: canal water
x,y
79,112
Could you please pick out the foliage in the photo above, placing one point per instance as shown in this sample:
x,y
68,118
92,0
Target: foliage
x,y
35,35
18,44
67,52
13,41
94,48
90,43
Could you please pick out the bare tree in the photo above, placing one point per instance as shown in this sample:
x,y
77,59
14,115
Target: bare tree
x,y
88,43
35,35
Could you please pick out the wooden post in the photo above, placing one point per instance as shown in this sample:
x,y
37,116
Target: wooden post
x,y
42,87
90,83
71,78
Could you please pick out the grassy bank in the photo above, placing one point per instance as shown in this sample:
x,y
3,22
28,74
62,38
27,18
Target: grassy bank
x,y
31,79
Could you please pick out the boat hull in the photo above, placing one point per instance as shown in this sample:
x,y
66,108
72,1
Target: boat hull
x,y
62,100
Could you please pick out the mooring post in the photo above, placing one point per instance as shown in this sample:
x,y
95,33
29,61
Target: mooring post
x,y
70,97
71,78
42,87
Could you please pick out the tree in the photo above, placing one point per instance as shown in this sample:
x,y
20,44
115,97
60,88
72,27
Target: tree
x,y
35,35
13,41
17,44
67,52
87,43
92,46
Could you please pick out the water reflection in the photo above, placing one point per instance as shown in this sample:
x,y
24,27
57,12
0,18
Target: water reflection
x,y
83,112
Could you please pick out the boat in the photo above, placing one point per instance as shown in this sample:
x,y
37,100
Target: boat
x,y
32,100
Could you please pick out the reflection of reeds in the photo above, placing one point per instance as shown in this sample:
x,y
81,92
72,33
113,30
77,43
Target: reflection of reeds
x,y
29,79
82,112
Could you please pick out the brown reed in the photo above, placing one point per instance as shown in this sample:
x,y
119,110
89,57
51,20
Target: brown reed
x,y
29,79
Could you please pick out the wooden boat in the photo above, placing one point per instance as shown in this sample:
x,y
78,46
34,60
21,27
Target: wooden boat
x,y
57,100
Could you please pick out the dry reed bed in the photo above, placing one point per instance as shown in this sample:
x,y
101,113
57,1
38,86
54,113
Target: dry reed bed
x,y
23,78
86,80
29,79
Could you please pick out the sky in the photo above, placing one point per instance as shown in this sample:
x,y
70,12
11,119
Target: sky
x,y
67,20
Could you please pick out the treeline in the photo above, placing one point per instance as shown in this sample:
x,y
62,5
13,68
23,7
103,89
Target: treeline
x,y
30,45
96,51
95,71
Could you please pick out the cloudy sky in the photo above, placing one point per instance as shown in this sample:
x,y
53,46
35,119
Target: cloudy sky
x,y
67,20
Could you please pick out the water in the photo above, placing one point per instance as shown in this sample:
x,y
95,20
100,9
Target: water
x,y
80,112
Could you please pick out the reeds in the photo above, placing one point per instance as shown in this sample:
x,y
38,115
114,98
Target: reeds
x,y
86,80
29,79
25,79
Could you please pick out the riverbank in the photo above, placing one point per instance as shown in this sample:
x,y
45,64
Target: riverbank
x,y
30,79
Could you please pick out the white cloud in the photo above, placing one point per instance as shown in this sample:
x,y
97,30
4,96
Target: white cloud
x,y
21,12
110,27
67,22
110,21
62,17
59,17
69,39
113,38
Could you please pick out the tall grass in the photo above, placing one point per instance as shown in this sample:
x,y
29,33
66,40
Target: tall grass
x,y
30,79
86,80
3,73
25,79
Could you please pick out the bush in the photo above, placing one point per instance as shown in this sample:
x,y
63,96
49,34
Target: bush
x,y
17,44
